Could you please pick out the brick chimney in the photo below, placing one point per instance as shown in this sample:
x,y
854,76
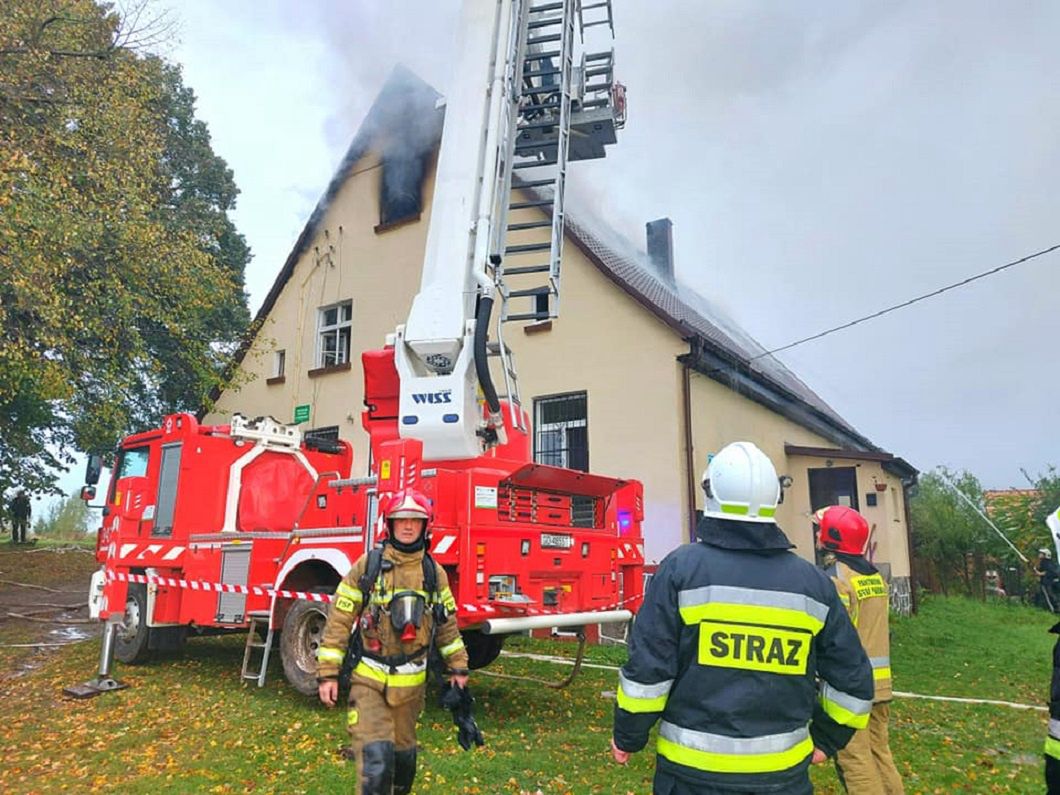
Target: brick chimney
x,y
661,248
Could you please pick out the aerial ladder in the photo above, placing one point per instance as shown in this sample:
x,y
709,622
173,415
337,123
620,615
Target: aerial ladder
x,y
495,240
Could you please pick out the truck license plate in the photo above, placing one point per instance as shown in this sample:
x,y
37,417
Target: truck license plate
x,y
555,541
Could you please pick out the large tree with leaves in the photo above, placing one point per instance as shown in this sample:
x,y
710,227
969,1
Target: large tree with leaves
x,y
949,537
121,275
1021,513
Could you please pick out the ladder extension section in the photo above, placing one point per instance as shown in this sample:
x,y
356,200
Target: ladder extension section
x,y
540,146
551,98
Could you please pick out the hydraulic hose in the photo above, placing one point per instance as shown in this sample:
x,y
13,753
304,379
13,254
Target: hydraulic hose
x,y
482,367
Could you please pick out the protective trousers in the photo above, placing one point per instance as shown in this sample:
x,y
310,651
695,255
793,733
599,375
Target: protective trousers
x,y
667,784
383,740
865,766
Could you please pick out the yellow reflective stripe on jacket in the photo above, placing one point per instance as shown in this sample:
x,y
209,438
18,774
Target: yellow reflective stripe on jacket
x,y
718,753
347,598
1052,747
446,598
389,679
449,649
881,668
327,654
844,708
752,606
639,698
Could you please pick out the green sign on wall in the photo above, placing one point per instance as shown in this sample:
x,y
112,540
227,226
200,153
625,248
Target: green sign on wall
x,y
301,413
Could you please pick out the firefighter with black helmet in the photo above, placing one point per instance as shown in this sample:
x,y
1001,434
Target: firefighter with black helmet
x,y
727,647
865,765
396,620
1048,574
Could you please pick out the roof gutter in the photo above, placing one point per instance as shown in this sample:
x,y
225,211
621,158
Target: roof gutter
x,y
724,368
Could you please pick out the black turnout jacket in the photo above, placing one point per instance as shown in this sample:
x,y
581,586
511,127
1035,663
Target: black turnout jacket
x,y
745,654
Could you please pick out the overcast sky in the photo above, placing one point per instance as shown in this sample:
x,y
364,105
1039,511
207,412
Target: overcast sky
x,y
820,160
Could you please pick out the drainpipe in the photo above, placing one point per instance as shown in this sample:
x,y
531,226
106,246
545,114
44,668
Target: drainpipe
x,y
690,464
907,485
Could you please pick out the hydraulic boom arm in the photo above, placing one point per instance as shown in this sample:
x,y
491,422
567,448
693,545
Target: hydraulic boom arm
x,y
510,105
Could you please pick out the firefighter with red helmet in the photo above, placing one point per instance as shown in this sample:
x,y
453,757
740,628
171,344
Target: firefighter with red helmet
x,y
727,648
394,624
865,765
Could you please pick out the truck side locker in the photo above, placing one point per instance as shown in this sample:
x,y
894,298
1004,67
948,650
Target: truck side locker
x,y
235,566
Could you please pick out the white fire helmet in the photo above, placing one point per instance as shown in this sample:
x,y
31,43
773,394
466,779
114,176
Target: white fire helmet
x,y
741,484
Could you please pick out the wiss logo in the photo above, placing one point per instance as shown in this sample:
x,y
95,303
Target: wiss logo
x,y
444,396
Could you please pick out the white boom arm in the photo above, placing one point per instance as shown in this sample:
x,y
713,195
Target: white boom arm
x,y
434,350
510,106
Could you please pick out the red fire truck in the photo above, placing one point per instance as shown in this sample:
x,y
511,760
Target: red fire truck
x,y
227,528
250,526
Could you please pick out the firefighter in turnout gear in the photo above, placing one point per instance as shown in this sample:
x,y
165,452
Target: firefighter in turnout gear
x,y
1052,739
394,624
865,765
727,647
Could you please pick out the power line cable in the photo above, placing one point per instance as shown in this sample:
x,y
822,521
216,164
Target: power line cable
x,y
910,302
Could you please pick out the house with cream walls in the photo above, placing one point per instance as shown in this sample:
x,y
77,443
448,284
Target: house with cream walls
x,y
638,377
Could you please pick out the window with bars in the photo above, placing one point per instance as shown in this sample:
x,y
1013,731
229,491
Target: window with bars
x,y
333,334
561,431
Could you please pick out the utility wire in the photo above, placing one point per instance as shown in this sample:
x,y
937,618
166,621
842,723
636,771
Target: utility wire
x,y
910,302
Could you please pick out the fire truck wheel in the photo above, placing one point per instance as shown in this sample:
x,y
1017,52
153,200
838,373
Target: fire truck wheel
x,y
303,629
130,646
482,649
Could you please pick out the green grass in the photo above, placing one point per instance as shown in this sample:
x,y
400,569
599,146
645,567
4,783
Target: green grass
x,y
189,725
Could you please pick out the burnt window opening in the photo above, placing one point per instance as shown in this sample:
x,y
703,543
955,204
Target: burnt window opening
x,y
561,431
401,188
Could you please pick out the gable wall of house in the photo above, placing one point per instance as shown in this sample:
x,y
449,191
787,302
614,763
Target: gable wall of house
x,y
604,343
347,260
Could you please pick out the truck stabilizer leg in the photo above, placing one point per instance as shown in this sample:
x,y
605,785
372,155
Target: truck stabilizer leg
x,y
103,682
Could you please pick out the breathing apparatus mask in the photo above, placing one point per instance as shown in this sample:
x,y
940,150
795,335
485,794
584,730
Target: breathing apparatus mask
x,y
406,611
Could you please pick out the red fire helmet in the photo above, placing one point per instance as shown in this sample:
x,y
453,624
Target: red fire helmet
x,y
408,504
842,530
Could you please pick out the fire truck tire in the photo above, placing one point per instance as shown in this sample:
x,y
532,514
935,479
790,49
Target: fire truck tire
x,y
131,644
482,649
303,629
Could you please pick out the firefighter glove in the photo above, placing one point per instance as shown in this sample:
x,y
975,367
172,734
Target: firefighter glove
x,y
458,701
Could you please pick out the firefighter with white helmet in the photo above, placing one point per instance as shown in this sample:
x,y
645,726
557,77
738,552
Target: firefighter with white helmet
x,y
726,649
1048,574
394,617
865,765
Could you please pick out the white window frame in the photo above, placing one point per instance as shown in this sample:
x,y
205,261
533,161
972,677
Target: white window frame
x,y
279,363
341,331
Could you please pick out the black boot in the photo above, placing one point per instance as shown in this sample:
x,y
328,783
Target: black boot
x,y
404,770
378,765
